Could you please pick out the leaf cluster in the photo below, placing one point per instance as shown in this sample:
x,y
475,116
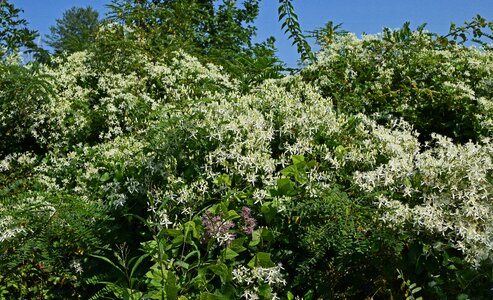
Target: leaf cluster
x,y
475,31
291,25
75,31
403,74
218,33
24,90
14,34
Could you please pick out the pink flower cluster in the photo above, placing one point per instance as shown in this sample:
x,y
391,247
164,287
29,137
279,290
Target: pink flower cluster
x,y
249,222
217,228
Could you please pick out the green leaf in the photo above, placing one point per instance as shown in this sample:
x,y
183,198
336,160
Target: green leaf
x,y
282,15
178,240
256,236
269,211
138,261
110,262
298,159
181,263
195,252
340,151
209,296
308,295
174,232
231,215
290,296
171,288
223,179
285,186
221,270
105,177
229,254
162,283
190,227
289,171
237,245
312,163
265,291
261,259
267,235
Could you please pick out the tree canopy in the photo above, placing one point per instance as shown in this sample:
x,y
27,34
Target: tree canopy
x,y
75,31
219,32
14,33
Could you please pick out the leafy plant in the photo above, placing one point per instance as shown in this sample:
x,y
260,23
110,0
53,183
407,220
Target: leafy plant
x,y
24,91
460,35
216,32
410,289
75,31
291,25
15,34
404,74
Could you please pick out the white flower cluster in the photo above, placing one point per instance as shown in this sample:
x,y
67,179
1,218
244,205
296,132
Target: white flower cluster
x,y
83,170
7,230
365,72
253,277
76,266
120,101
444,190
16,160
14,222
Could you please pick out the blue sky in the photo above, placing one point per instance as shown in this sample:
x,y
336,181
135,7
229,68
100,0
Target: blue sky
x,y
358,16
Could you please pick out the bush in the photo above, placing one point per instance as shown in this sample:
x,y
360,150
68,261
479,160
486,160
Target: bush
x,y
307,185
24,91
406,74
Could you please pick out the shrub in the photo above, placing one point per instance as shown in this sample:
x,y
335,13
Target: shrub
x,y
406,74
285,190
23,92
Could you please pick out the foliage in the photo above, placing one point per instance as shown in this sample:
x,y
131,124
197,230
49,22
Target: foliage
x,y
195,23
475,27
155,174
407,74
44,243
23,92
410,288
328,34
14,33
75,31
291,25
214,31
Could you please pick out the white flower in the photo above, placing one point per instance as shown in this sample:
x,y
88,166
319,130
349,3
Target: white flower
x,y
250,295
76,266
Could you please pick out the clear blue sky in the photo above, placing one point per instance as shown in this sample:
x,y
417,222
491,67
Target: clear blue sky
x,y
358,16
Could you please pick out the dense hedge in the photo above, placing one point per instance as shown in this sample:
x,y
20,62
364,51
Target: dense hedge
x,y
157,178
409,75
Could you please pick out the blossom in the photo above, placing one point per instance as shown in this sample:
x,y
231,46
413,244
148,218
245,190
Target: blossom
x,y
250,295
76,266
249,223
218,228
